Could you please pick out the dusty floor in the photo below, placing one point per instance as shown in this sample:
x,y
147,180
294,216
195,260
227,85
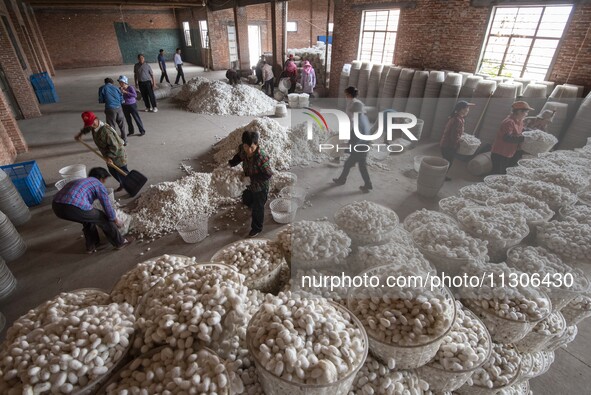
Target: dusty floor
x,y
55,259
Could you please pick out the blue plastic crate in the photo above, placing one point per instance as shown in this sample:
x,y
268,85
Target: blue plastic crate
x,y
46,96
41,81
28,180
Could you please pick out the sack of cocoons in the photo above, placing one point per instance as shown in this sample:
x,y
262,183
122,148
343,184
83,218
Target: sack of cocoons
x,y
54,309
219,98
566,158
537,141
501,183
229,181
452,204
317,241
368,219
468,144
424,217
493,224
197,303
520,209
537,163
68,354
176,371
448,241
307,341
479,192
399,252
570,240
553,195
162,206
570,180
536,209
375,377
500,370
189,89
580,214
135,283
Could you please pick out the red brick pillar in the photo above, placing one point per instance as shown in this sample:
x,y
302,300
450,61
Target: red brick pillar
x,y
278,21
11,130
241,23
37,47
40,39
7,150
25,43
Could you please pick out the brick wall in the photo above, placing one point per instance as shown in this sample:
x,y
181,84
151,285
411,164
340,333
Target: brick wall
x,y
26,48
571,45
217,23
11,138
192,54
448,35
81,28
7,150
39,37
310,16
18,78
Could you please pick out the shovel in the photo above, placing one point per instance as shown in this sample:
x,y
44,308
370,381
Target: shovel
x,y
132,182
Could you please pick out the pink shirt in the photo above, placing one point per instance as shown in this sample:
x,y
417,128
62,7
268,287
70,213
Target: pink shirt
x,y
510,126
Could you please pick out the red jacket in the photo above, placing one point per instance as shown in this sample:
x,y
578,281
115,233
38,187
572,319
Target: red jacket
x,y
454,128
508,138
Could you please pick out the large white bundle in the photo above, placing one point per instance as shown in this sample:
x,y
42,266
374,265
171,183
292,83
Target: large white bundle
x,y
538,210
449,241
537,141
424,217
570,240
574,182
491,223
229,181
366,217
190,89
468,144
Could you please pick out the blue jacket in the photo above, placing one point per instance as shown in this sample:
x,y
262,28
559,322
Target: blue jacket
x,y
111,96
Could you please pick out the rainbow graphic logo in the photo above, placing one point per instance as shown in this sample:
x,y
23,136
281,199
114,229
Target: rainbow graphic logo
x,y
317,117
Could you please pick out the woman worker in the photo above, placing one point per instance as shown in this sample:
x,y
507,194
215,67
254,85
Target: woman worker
x,y
454,128
504,150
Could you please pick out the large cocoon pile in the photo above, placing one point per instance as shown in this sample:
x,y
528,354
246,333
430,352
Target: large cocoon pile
x,y
426,217
570,240
229,181
449,241
318,240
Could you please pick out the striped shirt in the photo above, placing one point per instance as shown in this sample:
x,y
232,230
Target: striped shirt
x,y
83,192
257,167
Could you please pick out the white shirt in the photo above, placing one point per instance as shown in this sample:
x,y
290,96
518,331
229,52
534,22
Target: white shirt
x,y
177,59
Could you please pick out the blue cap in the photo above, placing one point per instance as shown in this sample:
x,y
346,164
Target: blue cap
x,y
123,79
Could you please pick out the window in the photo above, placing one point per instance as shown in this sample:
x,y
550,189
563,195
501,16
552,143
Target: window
x,y
187,32
330,27
522,41
292,26
378,36
204,34
233,46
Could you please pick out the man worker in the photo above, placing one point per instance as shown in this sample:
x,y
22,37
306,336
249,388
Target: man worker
x,y
256,166
504,150
540,121
268,78
144,80
74,203
178,63
108,142
112,98
162,65
233,77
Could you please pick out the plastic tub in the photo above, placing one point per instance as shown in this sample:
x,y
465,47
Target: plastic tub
x,y
73,171
407,356
535,341
284,210
280,110
503,330
194,229
441,380
417,162
296,193
266,282
276,385
62,183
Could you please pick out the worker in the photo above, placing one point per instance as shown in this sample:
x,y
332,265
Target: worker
x,y
112,98
259,70
233,77
504,150
539,122
269,86
162,65
308,78
355,107
108,143
178,63
256,166
454,128
74,203
290,58
290,71
144,81
130,106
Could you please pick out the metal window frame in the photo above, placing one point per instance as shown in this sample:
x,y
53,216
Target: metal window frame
x,y
204,34
374,31
533,37
187,34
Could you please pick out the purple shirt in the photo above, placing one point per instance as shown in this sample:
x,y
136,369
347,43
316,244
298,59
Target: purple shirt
x,y
130,96
83,192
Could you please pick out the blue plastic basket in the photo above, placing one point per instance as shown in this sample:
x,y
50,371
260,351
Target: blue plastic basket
x,y
41,81
28,180
46,96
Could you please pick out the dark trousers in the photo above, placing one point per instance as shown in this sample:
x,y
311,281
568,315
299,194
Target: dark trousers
x,y
163,76
256,201
148,94
116,175
292,87
180,74
259,73
130,110
449,154
269,86
500,163
90,220
361,159
115,117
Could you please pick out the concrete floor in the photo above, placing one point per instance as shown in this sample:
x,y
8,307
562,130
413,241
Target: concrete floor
x,y
55,260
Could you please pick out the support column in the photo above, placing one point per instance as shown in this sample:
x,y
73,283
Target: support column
x,y
37,46
41,40
24,40
11,137
241,23
278,16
